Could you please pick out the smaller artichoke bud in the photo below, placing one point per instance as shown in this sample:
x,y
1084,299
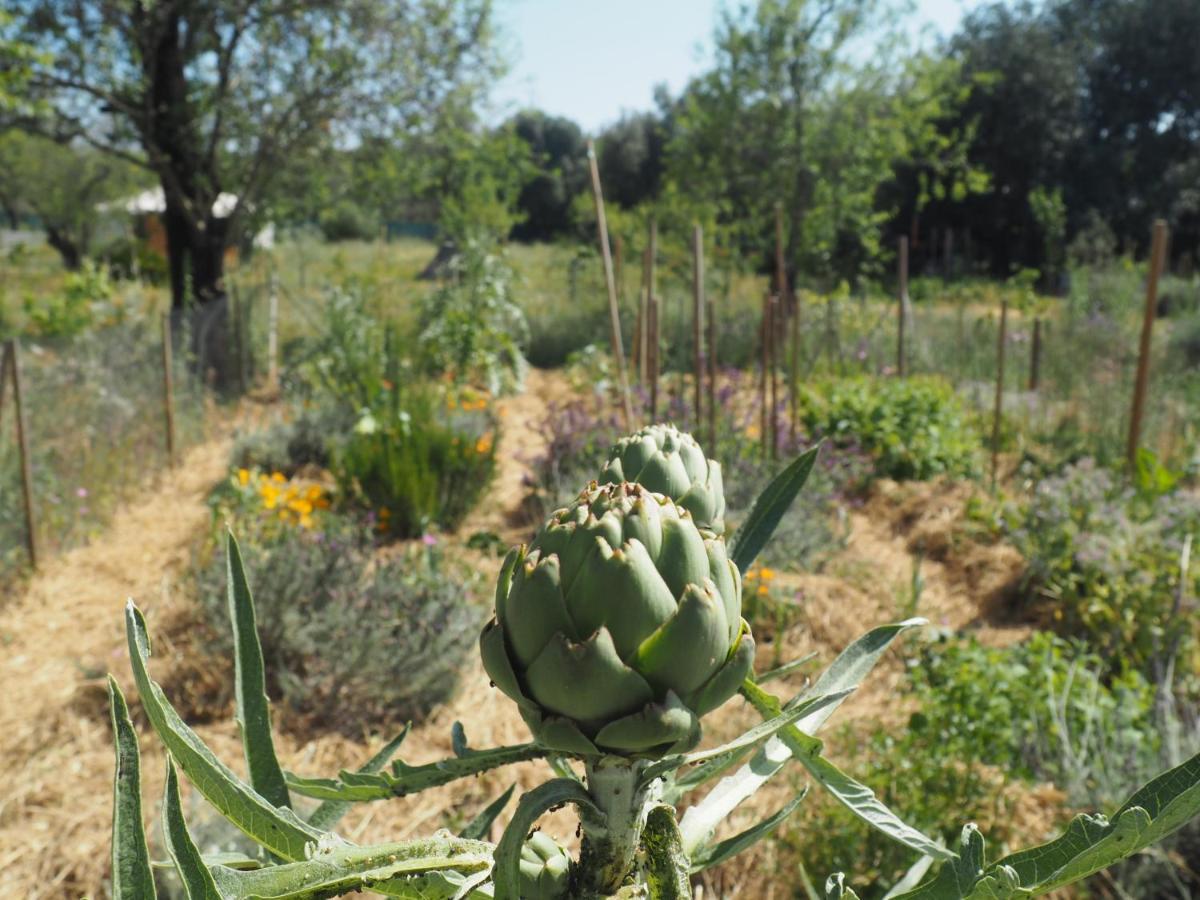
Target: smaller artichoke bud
x,y
619,626
668,461
545,868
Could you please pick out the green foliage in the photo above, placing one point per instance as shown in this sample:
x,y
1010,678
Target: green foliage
x,y
470,329
1109,559
71,310
346,221
914,428
347,641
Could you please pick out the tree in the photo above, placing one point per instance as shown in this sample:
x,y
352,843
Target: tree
x,y
559,155
62,185
632,158
219,96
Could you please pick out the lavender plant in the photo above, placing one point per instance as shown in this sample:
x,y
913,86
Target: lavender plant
x,y
615,632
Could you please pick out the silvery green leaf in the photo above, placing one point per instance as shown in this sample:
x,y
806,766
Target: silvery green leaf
x,y
717,853
769,509
279,830
506,874
666,863
835,888
478,827
694,778
131,876
405,779
422,869
197,881
911,878
253,708
330,812
784,670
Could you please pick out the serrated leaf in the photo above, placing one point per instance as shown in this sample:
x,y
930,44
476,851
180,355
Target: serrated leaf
x,y
717,853
250,684
278,830
131,875
330,812
666,863
197,881
506,874
479,826
420,869
768,510
702,774
405,779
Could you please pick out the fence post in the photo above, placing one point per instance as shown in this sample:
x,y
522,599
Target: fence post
x,y
698,320
1158,249
764,333
31,536
652,353
273,333
168,388
5,365
999,388
776,316
619,266
1035,356
711,322
618,350
902,303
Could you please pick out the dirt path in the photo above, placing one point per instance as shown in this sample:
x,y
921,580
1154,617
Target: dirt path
x,y
61,637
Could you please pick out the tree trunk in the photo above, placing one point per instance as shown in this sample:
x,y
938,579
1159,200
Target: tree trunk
x,y
68,249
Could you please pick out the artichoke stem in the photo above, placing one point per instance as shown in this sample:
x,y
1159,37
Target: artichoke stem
x,y
611,840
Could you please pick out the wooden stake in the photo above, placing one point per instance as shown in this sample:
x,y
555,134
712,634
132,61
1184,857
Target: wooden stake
x,y
711,322
698,320
168,388
652,333
619,266
273,333
1158,248
999,389
647,293
614,313
902,303
5,366
764,334
775,317
1035,356
31,535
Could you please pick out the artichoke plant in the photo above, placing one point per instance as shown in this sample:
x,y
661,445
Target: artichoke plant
x,y
615,631
619,626
670,462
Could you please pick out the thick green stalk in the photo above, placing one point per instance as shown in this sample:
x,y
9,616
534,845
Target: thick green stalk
x,y
611,839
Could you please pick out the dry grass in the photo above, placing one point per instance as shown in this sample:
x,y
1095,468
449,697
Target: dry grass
x,y
65,632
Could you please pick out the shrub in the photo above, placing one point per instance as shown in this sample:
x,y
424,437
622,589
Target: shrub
x,y
346,221
289,446
914,428
69,311
347,640
1108,558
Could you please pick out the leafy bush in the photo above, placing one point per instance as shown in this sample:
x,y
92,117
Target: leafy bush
x,y
291,445
347,640
346,221
422,464
69,311
1108,558
470,328
914,428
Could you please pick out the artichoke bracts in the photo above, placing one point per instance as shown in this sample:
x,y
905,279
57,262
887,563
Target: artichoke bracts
x,y
619,626
670,462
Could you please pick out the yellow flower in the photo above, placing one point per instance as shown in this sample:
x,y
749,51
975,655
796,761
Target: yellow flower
x,y
763,590
766,574
278,478
484,445
752,432
243,476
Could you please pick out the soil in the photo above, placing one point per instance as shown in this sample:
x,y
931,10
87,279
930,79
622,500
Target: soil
x,y
64,633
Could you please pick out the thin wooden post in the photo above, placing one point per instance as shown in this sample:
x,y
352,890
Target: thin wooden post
x,y
5,366
647,293
901,304
168,388
31,535
273,332
652,358
618,350
1158,248
765,335
711,322
774,319
1035,356
698,321
999,407
619,266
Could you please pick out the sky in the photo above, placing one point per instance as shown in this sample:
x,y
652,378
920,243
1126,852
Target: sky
x,y
590,60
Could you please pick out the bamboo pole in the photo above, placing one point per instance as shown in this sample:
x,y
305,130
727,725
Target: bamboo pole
x,y
711,322
5,366
648,292
1158,249
31,536
776,315
999,407
698,320
618,350
1035,356
901,303
273,332
168,388
652,334
764,334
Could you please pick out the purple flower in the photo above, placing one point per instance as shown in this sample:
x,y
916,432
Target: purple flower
x,y
429,540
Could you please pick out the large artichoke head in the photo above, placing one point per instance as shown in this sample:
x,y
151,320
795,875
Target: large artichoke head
x,y
619,626
669,461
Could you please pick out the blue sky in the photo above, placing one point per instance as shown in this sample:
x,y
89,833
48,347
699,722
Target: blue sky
x,y
591,60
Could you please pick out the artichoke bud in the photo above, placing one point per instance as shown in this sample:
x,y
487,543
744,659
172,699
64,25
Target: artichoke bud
x,y
544,868
618,626
670,462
